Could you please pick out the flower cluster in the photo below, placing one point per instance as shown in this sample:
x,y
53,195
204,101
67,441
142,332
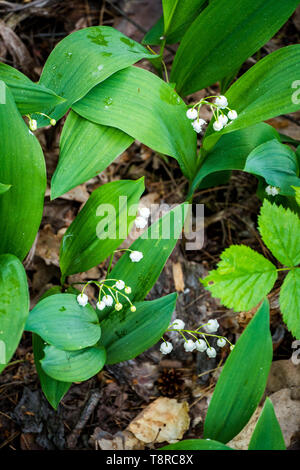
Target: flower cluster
x,y
110,293
272,190
199,341
142,219
33,123
218,106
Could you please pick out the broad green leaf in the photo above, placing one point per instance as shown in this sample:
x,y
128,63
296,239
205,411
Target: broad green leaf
x,y
242,279
178,16
267,434
88,149
147,108
156,244
29,96
223,36
197,444
280,231
232,150
277,163
23,167
242,380
154,35
4,188
85,58
127,334
101,226
54,390
289,300
62,322
73,366
14,306
252,95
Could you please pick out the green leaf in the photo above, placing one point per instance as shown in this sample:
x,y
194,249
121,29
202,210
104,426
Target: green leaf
x,y
156,244
242,380
297,194
22,167
63,323
242,279
223,36
252,95
73,366
14,306
280,231
197,444
4,188
267,434
127,334
232,150
277,164
54,390
147,108
88,149
101,226
29,96
155,33
86,58
289,300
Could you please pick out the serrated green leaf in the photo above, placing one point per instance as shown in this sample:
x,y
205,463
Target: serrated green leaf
x,y
4,188
73,366
242,279
297,194
267,434
86,58
54,390
156,244
22,167
197,444
242,380
232,150
252,95
14,306
277,164
29,96
147,108
280,231
101,226
127,334
62,322
88,149
289,300
223,36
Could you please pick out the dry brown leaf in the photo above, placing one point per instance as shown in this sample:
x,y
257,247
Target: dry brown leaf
x,y
48,245
164,420
178,277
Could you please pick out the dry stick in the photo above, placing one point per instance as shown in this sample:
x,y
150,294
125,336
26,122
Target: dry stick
x,y
85,415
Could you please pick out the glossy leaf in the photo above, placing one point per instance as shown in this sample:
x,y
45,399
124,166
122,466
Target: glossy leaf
x,y
280,231
85,58
252,95
223,36
22,167
127,334
88,149
277,164
242,380
153,36
73,366
267,434
196,444
232,150
242,279
4,188
156,244
147,108
54,390
14,306
101,226
289,300
62,322
29,96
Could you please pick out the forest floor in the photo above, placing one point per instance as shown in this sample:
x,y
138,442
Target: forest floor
x,y
96,413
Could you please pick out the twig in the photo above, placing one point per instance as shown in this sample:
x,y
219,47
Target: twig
x,y
85,415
